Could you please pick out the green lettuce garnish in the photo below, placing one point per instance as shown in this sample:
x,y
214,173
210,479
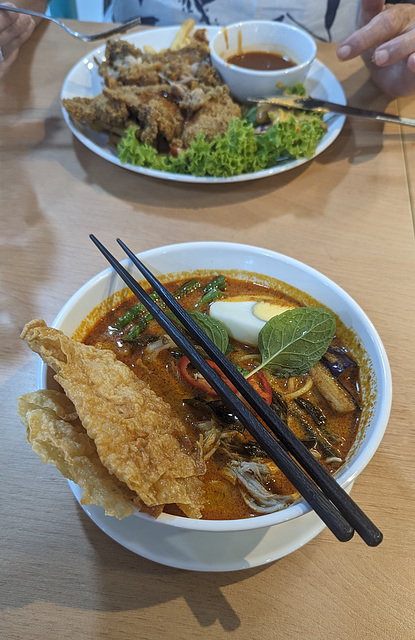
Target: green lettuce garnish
x,y
239,151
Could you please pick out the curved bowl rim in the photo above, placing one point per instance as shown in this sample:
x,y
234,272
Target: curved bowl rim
x,y
264,74
384,400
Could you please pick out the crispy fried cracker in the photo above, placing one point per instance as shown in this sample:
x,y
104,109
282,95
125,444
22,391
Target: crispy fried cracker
x,y
57,435
137,437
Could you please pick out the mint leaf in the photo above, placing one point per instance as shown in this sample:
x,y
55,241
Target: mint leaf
x,y
213,329
292,342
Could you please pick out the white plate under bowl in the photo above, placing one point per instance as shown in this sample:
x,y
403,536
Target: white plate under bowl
x,y
83,81
193,544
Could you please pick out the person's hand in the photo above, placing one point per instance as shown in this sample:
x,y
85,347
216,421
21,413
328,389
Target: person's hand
x,y
15,29
386,42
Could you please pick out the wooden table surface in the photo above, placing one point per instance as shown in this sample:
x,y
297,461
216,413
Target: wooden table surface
x,y
349,214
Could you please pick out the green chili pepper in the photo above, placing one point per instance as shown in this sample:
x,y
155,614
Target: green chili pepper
x,y
140,312
136,330
186,288
134,312
210,296
216,283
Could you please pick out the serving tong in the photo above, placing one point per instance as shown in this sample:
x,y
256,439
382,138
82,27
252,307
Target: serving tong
x,y
334,506
122,28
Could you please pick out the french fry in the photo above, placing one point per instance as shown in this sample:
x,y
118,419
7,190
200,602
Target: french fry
x,y
147,48
182,35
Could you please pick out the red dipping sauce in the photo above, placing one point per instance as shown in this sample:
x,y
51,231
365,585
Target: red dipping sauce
x,y
260,61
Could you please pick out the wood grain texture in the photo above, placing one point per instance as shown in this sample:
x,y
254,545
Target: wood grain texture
x,y
349,214
407,109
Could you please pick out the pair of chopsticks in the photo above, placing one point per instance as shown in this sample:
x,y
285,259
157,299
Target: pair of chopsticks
x,y
333,505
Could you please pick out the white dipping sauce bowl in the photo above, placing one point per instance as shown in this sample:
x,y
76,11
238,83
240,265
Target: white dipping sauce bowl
x,y
261,35
225,545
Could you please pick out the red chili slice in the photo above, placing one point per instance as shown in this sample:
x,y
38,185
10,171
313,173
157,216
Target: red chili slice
x,y
197,380
258,381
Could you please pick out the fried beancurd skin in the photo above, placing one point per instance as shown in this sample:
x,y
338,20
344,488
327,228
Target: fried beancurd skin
x,y
137,437
57,436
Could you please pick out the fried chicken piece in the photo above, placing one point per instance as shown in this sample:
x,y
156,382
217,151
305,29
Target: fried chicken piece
x,y
101,111
162,112
149,107
137,437
213,117
124,64
169,96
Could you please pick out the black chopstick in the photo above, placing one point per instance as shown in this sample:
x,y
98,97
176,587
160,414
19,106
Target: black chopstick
x,y
329,513
312,494
349,509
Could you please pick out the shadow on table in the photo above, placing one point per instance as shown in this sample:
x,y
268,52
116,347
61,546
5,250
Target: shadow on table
x,y
146,190
23,268
128,581
82,569
169,196
57,555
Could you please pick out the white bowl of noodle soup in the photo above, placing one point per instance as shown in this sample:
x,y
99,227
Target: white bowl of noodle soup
x,y
264,537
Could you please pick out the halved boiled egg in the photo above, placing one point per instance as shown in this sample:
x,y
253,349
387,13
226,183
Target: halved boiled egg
x,y
244,319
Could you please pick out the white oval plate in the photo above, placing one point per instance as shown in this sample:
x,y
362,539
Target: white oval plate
x,y
83,81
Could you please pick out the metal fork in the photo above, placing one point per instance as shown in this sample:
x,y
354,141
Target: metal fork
x,y
81,36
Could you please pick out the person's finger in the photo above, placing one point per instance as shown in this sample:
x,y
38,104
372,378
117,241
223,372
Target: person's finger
x,y
11,49
384,27
397,49
369,9
15,29
25,33
7,17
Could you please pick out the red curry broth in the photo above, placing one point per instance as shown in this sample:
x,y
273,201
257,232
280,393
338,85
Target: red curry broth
x,y
223,499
